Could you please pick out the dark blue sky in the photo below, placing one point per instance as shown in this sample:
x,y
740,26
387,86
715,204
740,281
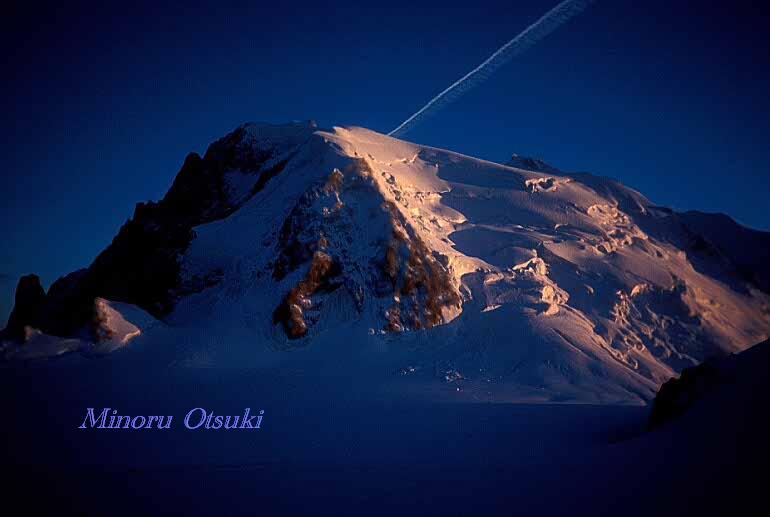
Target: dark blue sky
x,y
102,103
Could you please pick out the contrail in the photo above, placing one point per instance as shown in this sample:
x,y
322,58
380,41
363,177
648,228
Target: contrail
x,y
548,23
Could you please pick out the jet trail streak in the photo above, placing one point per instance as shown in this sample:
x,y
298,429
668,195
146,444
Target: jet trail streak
x,y
548,23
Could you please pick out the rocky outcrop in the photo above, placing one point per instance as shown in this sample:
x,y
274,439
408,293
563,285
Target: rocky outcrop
x,y
744,371
677,395
530,164
291,312
27,309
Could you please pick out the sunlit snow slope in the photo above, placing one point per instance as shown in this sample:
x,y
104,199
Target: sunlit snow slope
x,y
459,274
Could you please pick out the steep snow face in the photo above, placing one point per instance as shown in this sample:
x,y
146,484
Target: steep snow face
x,y
558,286
333,245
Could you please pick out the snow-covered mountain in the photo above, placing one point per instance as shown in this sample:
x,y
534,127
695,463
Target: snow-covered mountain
x,y
418,269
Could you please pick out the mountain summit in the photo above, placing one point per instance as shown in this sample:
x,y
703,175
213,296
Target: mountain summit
x,y
364,252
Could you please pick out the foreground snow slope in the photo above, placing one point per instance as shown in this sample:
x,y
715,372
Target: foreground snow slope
x,y
434,273
334,456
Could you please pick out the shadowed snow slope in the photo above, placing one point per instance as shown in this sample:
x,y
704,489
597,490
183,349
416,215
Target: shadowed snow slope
x,y
437,275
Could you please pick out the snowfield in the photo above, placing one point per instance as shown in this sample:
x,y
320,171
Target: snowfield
x,y
416,271
321,452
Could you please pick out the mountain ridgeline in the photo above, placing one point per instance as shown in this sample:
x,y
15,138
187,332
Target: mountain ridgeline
x,y
549,284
